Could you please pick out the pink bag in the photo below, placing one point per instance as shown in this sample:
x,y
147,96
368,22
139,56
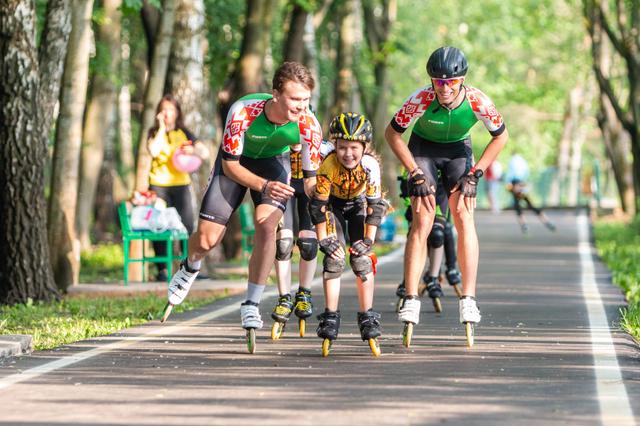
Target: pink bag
x,y
186,163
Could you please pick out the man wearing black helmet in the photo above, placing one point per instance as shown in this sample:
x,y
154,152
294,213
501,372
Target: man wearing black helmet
x,y
444,113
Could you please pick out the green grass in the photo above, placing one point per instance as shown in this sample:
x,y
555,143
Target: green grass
x,y
102,264
72,319
618,244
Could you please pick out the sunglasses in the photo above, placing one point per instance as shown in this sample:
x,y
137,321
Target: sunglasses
x,y
441,82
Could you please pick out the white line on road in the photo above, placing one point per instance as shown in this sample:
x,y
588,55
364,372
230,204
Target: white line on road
x,y
151,334
612,394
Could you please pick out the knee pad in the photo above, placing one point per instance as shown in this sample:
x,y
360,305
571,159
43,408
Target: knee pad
x,y
361,266
332,268
308,248
437,235
284,247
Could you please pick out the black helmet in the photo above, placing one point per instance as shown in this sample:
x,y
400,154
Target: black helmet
x,y
351,126
447,62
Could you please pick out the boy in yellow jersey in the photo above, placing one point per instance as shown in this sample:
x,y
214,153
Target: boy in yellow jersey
x,y
348,200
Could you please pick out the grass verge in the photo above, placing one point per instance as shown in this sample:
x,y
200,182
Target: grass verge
x,y
83,317
618,244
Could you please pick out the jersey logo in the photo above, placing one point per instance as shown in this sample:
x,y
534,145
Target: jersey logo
x,y
414,107
238,123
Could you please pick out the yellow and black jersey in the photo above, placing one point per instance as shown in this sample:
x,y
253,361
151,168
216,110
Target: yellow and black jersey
x,y
163,172
335,180
296,162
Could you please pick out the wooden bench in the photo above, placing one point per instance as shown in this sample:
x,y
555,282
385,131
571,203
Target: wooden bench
x,y
129,235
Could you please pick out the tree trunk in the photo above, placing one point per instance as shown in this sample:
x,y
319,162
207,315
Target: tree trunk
x,y
150,16
247,78
623,35
378,30
618,146
53,47
346,49
153,92
100,119
127,161
65,253
25,271
294,47
187,82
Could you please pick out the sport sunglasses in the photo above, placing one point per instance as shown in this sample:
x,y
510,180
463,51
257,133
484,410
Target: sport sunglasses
x,y
441,82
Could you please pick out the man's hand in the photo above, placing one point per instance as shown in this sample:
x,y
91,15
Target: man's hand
x,y
278,191
422,194
468,186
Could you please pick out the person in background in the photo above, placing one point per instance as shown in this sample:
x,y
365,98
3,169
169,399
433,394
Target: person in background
x,y
167,136
517,176
493,176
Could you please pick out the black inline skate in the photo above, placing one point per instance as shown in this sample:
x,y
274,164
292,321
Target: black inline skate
x,y
281,313
431,285
303,308
328,329
369,324
401,291
455,278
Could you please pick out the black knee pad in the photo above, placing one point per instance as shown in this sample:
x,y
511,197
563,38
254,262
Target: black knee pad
x,y
437,235
332,268
361,266
308,248
284,247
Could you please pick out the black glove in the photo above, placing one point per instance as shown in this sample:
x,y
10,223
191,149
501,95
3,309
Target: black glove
x,y
404,186
329,245
361,247
468,185
418,186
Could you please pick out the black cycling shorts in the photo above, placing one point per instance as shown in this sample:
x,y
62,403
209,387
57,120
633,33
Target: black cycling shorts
x,y
224,195
347,218
453,160
297,204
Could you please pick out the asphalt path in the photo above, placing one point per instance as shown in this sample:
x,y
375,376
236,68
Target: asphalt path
x,y
548,351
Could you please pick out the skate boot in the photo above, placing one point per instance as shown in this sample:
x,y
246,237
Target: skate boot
x,y
524,228
469,316
369,324
401,291
409,314
281,313
251,319
179,287
432,287
328,329
454,278
550,226
303,308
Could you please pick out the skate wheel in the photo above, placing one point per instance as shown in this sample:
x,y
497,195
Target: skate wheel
x,y
326,347
276,330
375,347
437,305
251,340
167,312
302,324
399,304
457,289
407,334
470,333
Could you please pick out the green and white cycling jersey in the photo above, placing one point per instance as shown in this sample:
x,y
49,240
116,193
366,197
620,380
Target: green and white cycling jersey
x,y
437,123
249,133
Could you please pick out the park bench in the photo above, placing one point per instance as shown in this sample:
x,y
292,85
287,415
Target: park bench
x,y
129,235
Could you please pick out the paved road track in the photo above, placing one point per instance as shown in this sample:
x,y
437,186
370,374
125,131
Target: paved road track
x,y
547,352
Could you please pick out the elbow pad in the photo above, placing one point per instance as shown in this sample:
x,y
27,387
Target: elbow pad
x,y
318,210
